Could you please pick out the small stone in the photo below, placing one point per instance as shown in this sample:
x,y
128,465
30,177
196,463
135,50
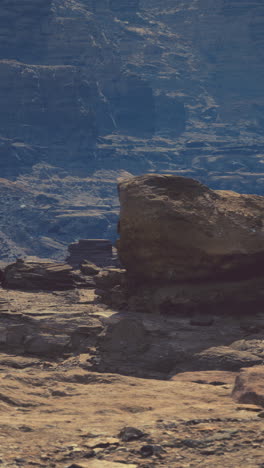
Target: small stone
x,y
208,452
58,393
261,415
26,429
103,442
75,465
89,453
89,268
150,450
130,433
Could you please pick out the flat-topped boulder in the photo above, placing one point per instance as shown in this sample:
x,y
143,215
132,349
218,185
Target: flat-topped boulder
x,y
39,274
175,228
97,251
249,386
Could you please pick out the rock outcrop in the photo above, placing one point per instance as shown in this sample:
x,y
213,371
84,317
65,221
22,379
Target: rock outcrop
x,y
249,386
98,251
176,229
42,275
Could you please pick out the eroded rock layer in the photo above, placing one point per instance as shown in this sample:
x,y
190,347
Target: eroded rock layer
x,y
174,228
137,86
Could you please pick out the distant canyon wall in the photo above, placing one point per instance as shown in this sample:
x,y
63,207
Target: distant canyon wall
x,y
92,90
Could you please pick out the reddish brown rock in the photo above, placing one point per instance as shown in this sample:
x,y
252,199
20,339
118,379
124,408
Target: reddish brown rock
x,y
249,386
41,274
175,228
98,251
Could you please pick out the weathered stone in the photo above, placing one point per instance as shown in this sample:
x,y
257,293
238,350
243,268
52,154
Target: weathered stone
x,y
174,228
108,279
224,358
255,346
102,464
88,268
46,275
98,251
46,345
130,433
127,336
249,386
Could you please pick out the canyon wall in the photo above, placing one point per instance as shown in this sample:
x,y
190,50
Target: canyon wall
x,y
133,86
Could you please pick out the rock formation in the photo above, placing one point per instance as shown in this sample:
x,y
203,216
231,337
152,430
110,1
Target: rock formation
x,y
249,386
42,275
176,229
131,86
106,386
98,251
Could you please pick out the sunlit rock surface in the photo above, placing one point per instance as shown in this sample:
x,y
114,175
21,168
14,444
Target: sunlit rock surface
x,y
175,228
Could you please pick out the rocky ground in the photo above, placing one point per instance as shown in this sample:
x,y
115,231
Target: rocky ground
x,y
75,375
156,365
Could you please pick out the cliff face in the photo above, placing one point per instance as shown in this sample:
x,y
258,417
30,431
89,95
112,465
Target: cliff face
x,y
135,85
174,229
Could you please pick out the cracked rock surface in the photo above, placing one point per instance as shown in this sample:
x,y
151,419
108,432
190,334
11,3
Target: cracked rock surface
x,y
70,368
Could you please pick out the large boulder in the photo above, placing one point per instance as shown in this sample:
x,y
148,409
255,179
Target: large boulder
x,y
224,358
249,386
175,228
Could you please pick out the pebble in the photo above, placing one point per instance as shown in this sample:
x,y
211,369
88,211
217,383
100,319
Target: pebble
x,y
130,433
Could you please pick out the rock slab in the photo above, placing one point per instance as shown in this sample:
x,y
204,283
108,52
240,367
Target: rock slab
x,y
175,228
39,275
249,386
98,251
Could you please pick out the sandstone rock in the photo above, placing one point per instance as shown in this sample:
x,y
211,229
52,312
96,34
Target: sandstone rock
x,y
101,464
41,274
149,450
202,300
108,279
44,344
174,228
112,287
130,433
18,362
224,358
251,346
211,377
116,297
249,386
127,336
89,268
98,251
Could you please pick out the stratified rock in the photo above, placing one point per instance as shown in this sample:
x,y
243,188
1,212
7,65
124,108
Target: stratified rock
x,y
249,386
89,268
98,251
255,346
224,358
175,228
46,275
44,344
110,278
